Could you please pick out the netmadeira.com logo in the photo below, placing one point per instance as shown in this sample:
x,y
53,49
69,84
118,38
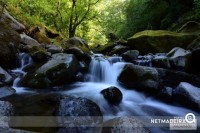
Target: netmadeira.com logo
x,y
189,122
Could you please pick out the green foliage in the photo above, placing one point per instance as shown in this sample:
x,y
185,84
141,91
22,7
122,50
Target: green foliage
x,y
197,10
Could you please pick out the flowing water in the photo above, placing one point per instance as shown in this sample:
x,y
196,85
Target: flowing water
x,y
103,73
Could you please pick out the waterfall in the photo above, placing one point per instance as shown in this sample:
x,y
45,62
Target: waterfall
x,y
104,70
24,60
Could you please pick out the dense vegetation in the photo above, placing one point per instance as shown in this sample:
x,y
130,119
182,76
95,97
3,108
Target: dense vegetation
x,y
95,19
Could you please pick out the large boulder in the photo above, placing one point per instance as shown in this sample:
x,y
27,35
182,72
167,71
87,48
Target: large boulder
x,y
187,95
124,125
139,77
151,79
78,115
59,70
9,40
113,95
6,18
159,41
180,59
5,77
78,42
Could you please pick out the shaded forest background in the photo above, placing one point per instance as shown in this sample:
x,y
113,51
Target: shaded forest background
x,y
93,20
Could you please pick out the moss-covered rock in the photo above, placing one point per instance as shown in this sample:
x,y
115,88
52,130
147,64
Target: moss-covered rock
x,y
9,41
42,38
78,42
139,77
61,69
159,41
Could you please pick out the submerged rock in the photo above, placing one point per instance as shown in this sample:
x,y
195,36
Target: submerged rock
x,y
150,41
113,95
61,69
187,95
124,125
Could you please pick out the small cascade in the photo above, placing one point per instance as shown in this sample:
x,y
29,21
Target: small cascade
x,y
24,60
105,70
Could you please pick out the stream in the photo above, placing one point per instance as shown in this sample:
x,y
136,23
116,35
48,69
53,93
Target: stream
x,y
102,74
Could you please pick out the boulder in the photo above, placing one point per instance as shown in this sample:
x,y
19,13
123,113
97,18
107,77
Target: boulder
x,y
151,79
53,49
195,61
172,78
139,77
37,52
187,95
28,40
180,59
113,95
6,91
59,70
6,109
124,125
78,42
78,114
130,55
165,94
150,41
7,19
5,77
9,41
161,62
118,50
80,55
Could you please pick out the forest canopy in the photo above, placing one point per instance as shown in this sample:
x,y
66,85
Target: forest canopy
x,y
93,20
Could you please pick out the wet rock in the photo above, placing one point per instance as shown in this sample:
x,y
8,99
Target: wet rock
x,y
40,56
155,41
124,125
6,18
130,55
165,94
161,62
9,41
114,59
83,115
180,59
10,130
112,94
139,77
187,95
195,61
53,49
5,77
61,69
172,78
6,109
6,91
